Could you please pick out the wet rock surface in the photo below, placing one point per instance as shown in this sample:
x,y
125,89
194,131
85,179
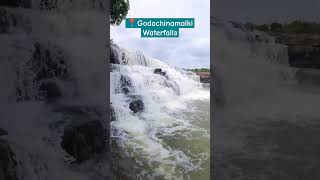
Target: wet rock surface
x,y
204,77
126,84
8,164
42,73
136,105
3,132
85,140
160,72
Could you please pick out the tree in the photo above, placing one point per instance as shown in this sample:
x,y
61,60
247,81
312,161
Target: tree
x,y
119,10
263,27
275,27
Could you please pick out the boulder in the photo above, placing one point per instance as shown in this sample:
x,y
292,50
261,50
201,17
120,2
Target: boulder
x,y
6,21
50,90
3,132
8,164
136,105
85,140
157,71
114,56
160,72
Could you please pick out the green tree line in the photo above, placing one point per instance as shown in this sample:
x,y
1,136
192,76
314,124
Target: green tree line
x,y
297,27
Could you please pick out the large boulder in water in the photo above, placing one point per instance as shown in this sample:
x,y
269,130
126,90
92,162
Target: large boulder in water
x,y
160,72
136,105
85,140
8,165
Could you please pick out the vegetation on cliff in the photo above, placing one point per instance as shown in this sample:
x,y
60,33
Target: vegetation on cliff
x,y
201,70
297,27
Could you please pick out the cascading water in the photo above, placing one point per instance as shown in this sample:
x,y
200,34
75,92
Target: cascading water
x,y
262,111
169,137
53,78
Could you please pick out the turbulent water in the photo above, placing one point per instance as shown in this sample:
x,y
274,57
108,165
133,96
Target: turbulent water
x,y
265,121
53,74
169,138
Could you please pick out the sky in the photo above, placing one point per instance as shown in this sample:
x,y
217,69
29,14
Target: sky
x,y
190,50
266,11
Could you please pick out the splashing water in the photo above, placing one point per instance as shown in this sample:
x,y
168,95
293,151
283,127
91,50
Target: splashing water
x,y
169,139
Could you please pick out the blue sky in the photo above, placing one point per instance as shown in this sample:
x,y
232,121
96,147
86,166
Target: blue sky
x,y
190,50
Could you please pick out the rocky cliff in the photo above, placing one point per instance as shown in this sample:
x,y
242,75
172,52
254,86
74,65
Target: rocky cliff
x,y
303,49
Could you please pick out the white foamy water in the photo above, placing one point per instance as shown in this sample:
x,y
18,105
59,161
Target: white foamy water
x,y
147,136
60,35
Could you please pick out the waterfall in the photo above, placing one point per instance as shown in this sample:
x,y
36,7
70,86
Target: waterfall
x,y
53,78
248,63
166,93
263,106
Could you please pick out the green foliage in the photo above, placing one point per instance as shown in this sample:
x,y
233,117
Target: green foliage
x,y
263,27
275,27
119,11
201,70
297,27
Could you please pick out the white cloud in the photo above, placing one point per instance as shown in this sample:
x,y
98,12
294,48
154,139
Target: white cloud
x,y
191,49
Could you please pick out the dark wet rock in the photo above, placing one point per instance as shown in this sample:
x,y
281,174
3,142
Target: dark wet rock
x,y
3,132
11,21
50,90
125,81
136,105
125,84
48,4
85,140
304,57
47,64
125,90
8,164
204,77
157,71
6,21
114,56
160,72
112,114
308,76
